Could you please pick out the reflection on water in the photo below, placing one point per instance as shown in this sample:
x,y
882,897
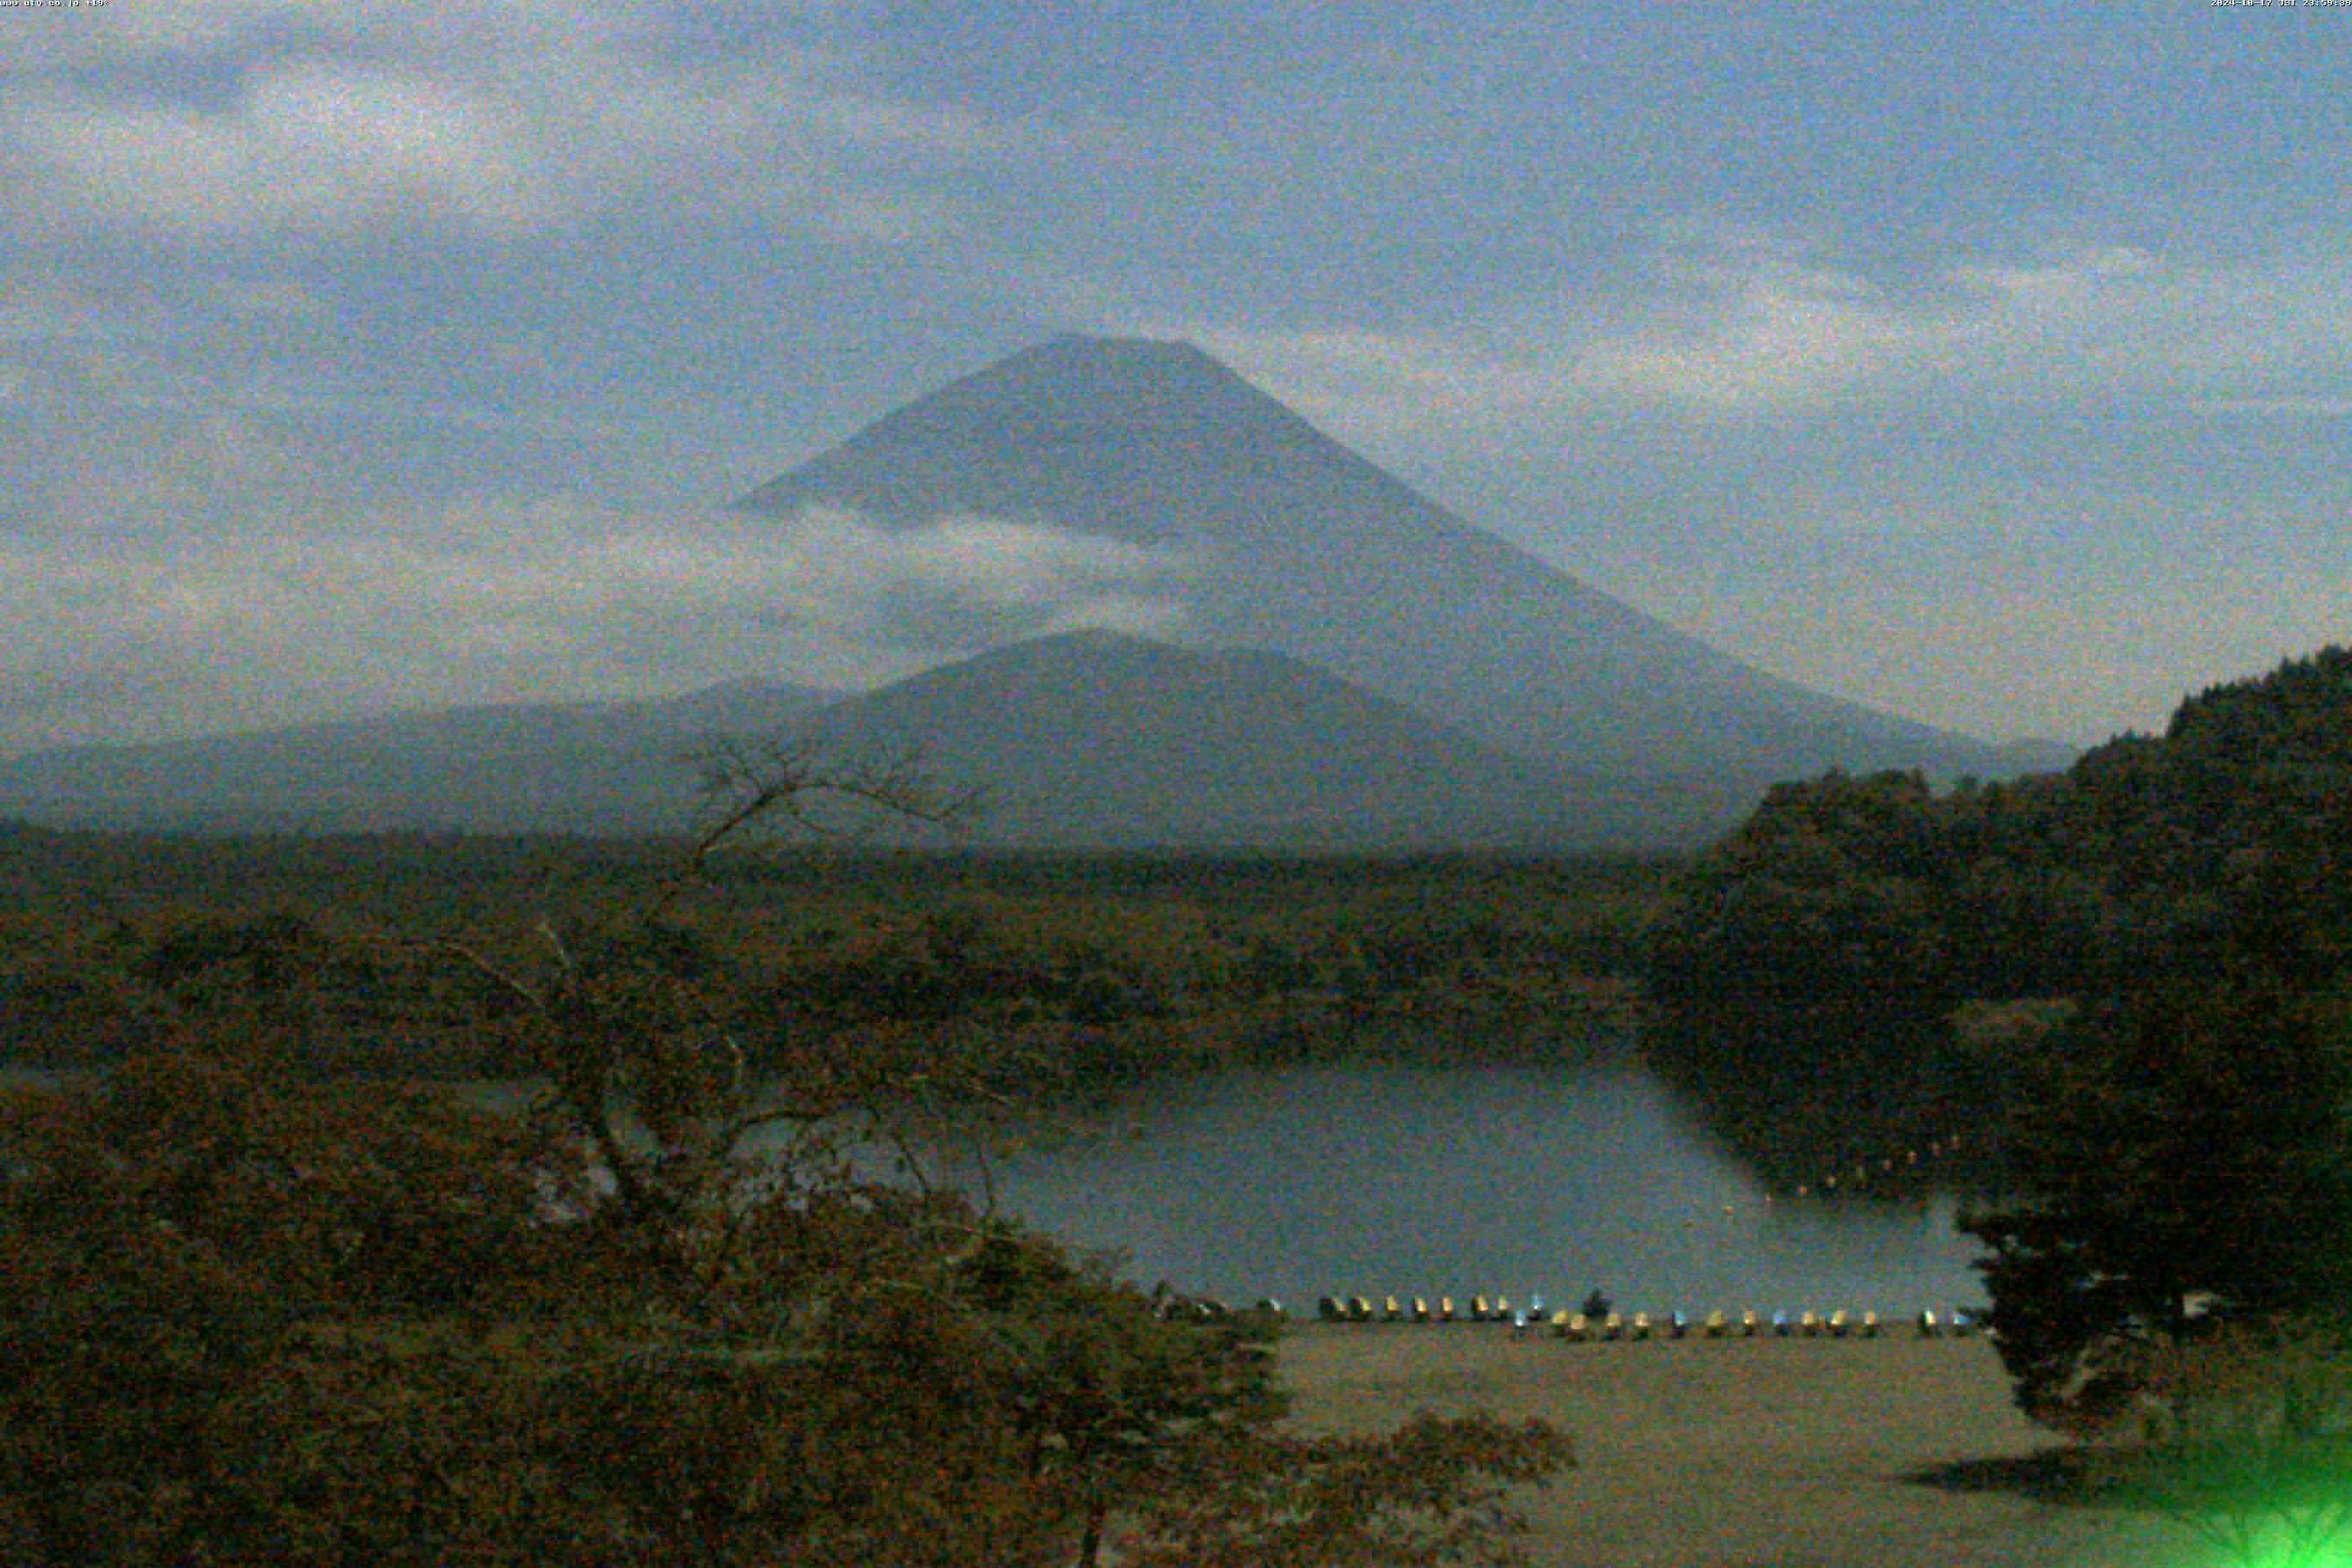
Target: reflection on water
x,y
1300,1181
1296,1182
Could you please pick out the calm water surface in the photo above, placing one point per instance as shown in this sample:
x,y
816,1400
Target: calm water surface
x,y
1301,1182
1297,1182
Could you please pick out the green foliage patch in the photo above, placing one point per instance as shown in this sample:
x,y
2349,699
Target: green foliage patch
x,y
263,1312
1086,969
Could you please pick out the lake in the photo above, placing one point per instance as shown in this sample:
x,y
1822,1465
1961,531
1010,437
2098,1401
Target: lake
x,y
1304,1181
1297,1182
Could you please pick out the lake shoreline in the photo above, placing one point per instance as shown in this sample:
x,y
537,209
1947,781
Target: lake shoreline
x,y
1755,1453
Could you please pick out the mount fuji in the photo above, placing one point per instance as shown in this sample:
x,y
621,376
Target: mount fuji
x,y
1328,659
1289,541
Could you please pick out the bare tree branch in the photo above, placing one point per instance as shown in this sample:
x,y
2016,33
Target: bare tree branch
x,y
529,996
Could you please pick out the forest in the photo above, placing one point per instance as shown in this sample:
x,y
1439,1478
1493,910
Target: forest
x,y
1867,952
276,1297
1079,968
2132,983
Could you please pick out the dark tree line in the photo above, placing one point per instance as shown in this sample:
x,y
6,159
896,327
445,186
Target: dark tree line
x,y
2134,979
1104,968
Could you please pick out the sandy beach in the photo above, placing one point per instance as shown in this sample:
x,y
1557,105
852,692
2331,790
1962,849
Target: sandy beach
x,y
1739,1453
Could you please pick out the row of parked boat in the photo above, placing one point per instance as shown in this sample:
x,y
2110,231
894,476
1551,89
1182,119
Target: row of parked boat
x,y
1569,1325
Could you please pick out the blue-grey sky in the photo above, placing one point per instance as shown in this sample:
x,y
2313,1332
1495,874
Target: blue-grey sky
x,y
1992,366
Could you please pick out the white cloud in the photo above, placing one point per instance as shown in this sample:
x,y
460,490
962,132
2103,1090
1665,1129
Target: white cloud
x,y
489,600
307,146
484,117
1007,565
1763,331
1742,327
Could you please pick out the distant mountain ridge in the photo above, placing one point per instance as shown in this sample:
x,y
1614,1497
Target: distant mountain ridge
x,y
576,767
1353,666
1093,738
1309,550
1082,740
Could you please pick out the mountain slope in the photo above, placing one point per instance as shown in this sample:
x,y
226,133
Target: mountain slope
x,y
1420,681
1084,739
1296,543
587,767
1093,738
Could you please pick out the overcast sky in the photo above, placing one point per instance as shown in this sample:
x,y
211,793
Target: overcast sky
x,y
1990,364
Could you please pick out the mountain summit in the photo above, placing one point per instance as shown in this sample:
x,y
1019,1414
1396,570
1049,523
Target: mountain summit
x,y
1123,437
1294,544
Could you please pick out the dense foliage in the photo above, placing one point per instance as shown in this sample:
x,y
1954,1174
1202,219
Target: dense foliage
x,y
1076,966
2136,976
253,1322
258,1313
2250,1460
1806,978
